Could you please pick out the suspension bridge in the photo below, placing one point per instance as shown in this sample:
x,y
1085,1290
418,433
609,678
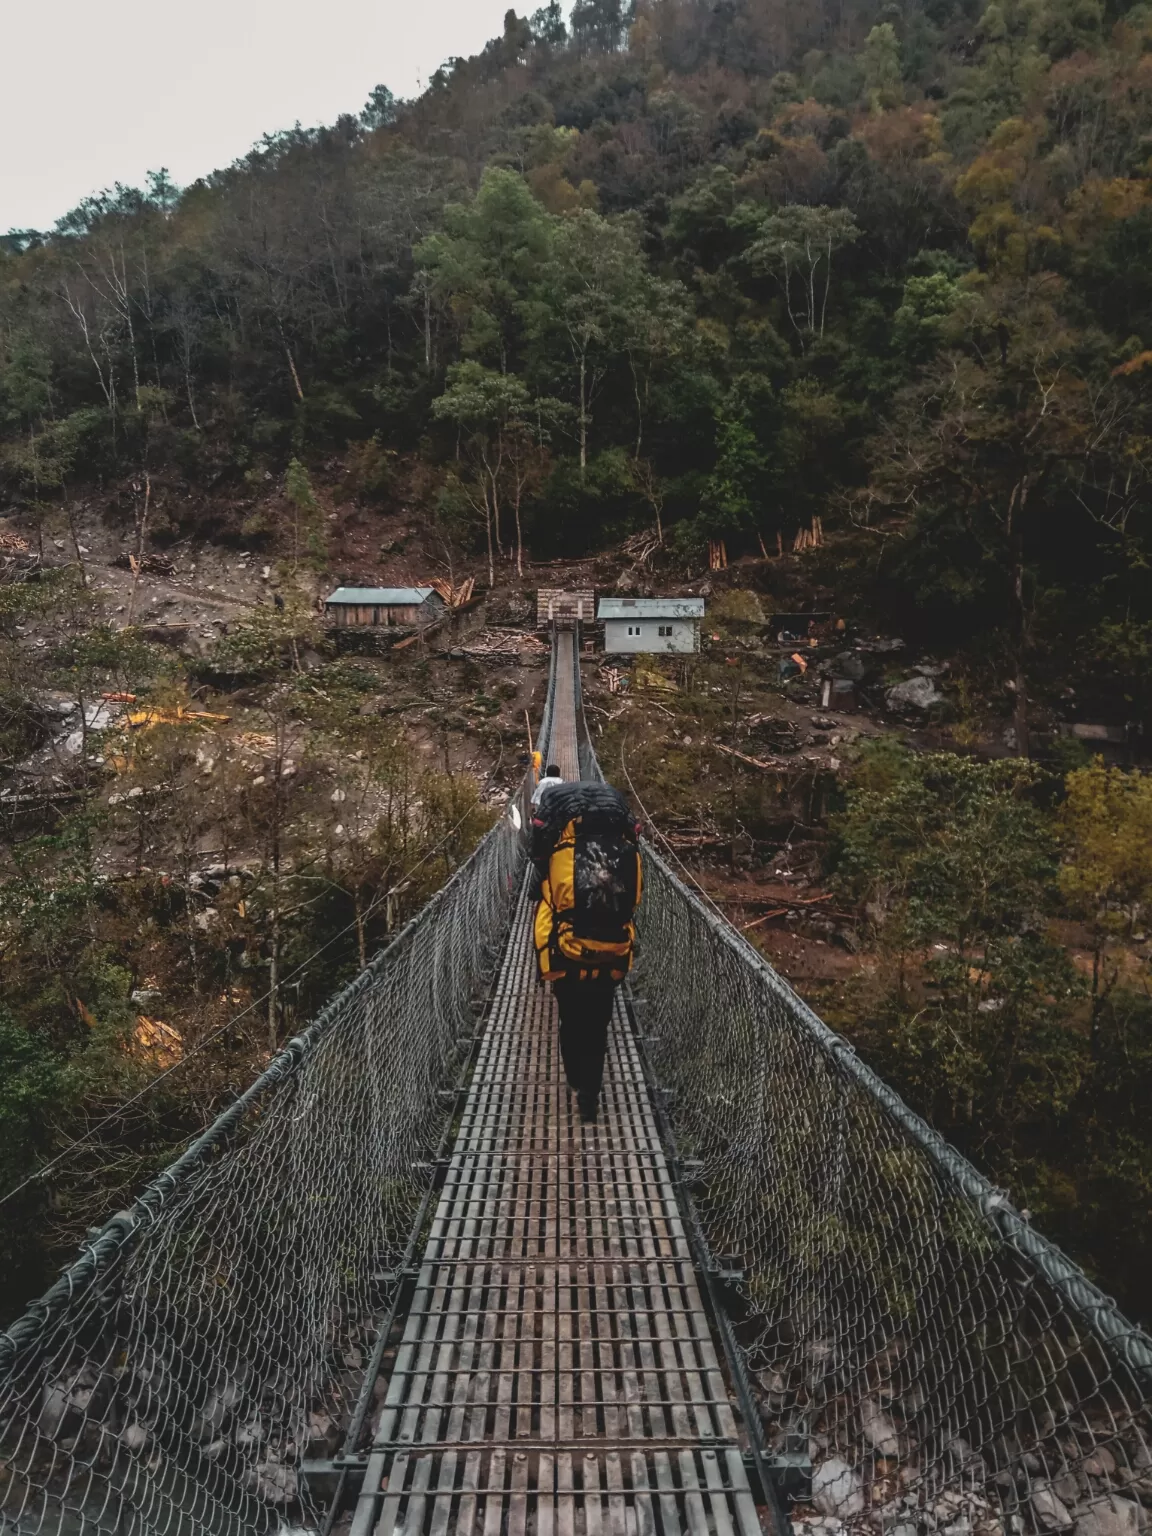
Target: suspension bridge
x,y
399,1287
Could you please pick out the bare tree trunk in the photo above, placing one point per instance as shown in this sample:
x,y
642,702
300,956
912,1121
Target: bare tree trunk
x,y
639,408
191,401
141,534
827,285
295,375
811,292
274,958
583,413
519,530
274,972
1020,614
71,512
107,384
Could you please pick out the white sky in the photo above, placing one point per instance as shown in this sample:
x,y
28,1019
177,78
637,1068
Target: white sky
x,y
95,93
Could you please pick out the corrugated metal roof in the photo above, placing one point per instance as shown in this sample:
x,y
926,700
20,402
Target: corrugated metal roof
x,y
651,608
381,597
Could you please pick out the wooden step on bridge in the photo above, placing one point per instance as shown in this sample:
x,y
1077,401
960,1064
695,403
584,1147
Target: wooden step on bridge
x,y
557,1373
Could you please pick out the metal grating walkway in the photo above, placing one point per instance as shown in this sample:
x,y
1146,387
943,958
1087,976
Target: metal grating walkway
x,y
556,1375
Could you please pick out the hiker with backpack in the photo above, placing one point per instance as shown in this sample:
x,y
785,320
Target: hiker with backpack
x,y
549,780
585,849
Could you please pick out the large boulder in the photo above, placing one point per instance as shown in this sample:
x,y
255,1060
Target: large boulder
x,y
837,1489
917,693
848,665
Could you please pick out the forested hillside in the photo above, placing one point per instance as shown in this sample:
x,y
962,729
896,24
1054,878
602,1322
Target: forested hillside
x,y
732,264
709,270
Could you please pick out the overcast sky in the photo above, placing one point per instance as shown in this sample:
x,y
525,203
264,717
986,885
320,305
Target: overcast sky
x,y
97,93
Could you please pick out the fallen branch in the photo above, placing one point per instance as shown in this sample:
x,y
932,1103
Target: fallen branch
x,y
755,923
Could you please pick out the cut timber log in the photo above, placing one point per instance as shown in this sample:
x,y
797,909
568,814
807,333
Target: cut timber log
x,y
752,762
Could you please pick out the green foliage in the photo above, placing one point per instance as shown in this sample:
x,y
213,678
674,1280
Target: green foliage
x,y
927,304
976,1014
267,643
798,244
880,65
948,848
31,1088
1106,819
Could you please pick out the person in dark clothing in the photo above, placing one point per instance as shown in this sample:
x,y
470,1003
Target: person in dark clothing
x,y
588,881
585,1009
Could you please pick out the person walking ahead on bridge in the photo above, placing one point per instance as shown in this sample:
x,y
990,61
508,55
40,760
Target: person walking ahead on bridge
x,y
584,848
551,777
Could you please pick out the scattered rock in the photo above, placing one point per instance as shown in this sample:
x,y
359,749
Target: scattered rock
x,y
54,1405
275,1483
878,1428
1101,1463
135,1436
1109,1516
837,1489
1051,1513
250,1436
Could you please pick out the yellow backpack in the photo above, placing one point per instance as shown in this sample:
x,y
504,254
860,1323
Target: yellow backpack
x,y
584,926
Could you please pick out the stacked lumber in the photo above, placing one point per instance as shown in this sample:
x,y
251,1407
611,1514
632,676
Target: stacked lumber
x,y
502,647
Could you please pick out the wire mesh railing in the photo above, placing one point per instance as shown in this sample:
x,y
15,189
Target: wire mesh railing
x,y
922,1359
214,1336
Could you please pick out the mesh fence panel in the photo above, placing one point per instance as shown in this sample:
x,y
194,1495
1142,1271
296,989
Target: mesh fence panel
x,y
943,1367
217,1334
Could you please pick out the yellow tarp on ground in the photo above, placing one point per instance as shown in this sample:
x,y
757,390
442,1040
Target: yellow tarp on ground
x,y
647,675
154,715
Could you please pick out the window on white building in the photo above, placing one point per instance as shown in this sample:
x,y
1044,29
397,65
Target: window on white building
x,y
665,631
634,629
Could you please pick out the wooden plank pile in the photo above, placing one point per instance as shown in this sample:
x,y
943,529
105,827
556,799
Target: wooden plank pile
x,y
502,647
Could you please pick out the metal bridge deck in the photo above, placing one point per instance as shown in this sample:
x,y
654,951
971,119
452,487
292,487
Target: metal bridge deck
x,y
557,1375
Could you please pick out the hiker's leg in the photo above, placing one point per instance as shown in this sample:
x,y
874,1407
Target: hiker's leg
x,y
585,1014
